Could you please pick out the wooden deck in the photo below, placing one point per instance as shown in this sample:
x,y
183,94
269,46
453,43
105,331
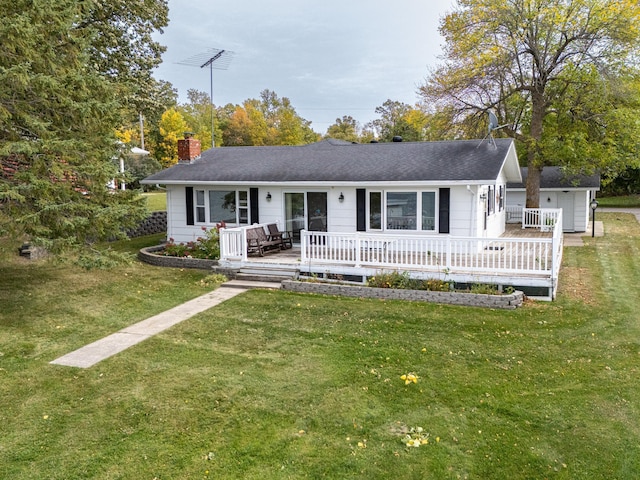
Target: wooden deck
x,y
516,231
520,257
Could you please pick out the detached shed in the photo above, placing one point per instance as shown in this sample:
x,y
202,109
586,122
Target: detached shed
x,y
571,193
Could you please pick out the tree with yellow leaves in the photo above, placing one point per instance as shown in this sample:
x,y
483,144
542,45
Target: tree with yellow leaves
x,y
558,74
172,127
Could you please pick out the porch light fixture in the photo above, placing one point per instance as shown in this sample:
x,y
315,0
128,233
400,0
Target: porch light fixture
x,y
593,205
268,196
341,197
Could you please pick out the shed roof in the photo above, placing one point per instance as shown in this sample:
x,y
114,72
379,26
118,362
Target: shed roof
x,y
335,161
555,178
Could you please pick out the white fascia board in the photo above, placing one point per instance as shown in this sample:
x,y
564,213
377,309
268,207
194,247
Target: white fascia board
x,y
556,189
326,184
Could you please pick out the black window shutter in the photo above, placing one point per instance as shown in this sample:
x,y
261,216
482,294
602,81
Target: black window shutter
x,y
361,209
253,205
189,197
443,210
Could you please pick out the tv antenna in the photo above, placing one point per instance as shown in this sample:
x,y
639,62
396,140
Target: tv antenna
x,y
493,125
212,58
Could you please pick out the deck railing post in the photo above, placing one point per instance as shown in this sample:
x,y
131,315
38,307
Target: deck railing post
x,y
224,243
244,245
358,249
303,247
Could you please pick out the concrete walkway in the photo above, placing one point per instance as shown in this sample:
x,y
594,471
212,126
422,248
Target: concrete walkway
x,y
106,347
576,239
633,211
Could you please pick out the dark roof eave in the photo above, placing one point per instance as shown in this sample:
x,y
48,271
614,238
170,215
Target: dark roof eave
x,y
435,162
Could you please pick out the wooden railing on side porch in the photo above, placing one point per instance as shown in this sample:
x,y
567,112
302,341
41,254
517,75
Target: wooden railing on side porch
x,y
543,218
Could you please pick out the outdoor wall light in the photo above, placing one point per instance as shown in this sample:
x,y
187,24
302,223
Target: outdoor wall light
x,y
268,196
341,197
549,199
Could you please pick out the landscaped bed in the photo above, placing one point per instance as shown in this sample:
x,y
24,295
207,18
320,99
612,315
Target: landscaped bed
x,y
507,301
401,290
156,256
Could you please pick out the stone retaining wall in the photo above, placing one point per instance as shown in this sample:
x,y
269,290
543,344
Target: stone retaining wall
x,y
148,255
155,223
506,301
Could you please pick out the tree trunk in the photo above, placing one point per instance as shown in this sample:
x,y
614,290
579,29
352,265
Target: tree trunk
x,y
534,162
533,187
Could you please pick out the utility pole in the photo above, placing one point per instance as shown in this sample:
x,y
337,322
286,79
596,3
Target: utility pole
x,y
141,132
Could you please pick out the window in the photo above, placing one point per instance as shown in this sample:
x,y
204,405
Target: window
x,y
491,200
243,207
402,210
429,211
375,210
229,206
222,206
200,207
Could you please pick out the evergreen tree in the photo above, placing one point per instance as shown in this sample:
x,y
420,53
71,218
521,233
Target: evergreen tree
x,y
69,73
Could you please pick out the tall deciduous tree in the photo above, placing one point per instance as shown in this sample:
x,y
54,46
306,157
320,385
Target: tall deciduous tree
x,y
555,71
284,125
345,128
197,114
172,128
65,83
397,119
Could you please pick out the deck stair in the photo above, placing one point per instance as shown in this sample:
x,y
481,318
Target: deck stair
x,y
267,272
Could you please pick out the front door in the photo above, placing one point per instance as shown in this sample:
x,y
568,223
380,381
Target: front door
x,y
565,202
305,211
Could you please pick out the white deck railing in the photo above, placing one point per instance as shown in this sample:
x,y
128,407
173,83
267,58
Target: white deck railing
x,y
438,254
543,218
514,213
427,253
233,243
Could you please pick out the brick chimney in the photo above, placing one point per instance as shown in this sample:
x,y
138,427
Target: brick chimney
x,y
188,148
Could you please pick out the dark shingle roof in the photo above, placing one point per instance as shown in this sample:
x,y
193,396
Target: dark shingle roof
x,y
555,178
338,161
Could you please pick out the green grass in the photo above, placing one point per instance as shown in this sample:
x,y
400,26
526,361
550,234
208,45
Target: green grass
x,y
628,201
276,385
156,201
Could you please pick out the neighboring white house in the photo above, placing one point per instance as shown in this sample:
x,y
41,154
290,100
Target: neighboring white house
x,y
432,188
571,193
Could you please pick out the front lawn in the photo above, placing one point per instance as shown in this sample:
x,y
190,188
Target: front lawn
x,y
624,201
156,201
276,385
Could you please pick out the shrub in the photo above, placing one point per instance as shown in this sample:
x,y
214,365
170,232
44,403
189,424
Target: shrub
x,y
484,288
207,246
403,281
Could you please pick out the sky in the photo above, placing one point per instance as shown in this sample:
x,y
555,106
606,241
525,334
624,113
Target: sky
x,y
330,58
